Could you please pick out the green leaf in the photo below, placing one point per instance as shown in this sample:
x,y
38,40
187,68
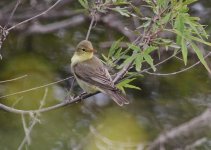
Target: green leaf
x,y
200,56
118,53
84,3
134,47
125,84
189,37
138,62
149,60
132,87
145,24
137,10
179,25
184,50
122,11
104,57
150,49
114,47
199,40
166,19
128,60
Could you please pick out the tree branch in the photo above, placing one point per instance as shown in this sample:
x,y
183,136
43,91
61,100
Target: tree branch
x,y
44,12
74,21
195,128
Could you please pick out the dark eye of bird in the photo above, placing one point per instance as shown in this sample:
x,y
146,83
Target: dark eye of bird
x,y
83,49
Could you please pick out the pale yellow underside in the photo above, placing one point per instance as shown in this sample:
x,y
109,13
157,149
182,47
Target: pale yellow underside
x,y
77,59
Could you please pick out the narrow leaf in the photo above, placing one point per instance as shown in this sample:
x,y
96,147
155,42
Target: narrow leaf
x,y
114,46
149,60
84,3
200,56
138,62
184,50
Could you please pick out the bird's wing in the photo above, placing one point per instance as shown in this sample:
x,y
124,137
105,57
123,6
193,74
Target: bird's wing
x,y
96,75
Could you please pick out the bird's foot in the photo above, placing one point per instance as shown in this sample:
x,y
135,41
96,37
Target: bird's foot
x,y
68,99
81,96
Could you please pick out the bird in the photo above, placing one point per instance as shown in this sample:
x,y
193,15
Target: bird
x,y
91,74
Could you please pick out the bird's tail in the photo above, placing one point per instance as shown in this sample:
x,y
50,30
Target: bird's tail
x,y
117,96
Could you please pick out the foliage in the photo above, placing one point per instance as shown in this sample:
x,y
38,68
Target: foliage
x,y
166,16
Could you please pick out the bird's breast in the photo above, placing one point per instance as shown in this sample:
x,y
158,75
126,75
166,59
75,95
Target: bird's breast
x,y
86,86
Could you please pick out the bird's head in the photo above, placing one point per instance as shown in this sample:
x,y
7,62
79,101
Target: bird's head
x,y
85,47
84,51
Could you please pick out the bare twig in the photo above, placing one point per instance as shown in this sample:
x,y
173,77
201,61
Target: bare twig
x,y
90,26
3,35
44,12
13,12
74,21
177,72
33,123
178,135
196,143
64,103
35,88
14,79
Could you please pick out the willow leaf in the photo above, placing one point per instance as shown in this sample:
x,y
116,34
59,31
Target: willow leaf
x,y
200,56
184,50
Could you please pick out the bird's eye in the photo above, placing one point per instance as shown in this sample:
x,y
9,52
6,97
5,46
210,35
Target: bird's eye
x,y
83,49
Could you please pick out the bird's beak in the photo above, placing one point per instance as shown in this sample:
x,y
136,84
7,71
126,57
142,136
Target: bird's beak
x,y
92,50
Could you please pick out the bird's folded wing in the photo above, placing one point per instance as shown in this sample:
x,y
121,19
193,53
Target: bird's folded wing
x,y
95,74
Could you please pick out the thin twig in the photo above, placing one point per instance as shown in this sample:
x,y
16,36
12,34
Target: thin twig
x,y
27,20
14,79
13,12
64,103
149,68
177,72
35,88
90,26
34,121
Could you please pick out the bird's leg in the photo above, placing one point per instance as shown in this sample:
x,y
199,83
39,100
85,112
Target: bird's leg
x,y
81,96
68,97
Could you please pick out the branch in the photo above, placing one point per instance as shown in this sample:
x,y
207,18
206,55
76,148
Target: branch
x,y
13,12
74,21
34,88
64,103
90,26
44,12
35,119
198,126
14,79
177,72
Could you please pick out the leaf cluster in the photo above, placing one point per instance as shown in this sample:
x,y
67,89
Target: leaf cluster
x,y
101,6
165,16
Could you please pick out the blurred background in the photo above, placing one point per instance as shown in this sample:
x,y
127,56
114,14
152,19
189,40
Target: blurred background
x,y
40,52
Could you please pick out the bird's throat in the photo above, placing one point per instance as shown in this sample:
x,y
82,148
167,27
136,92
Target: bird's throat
x,y
77,58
